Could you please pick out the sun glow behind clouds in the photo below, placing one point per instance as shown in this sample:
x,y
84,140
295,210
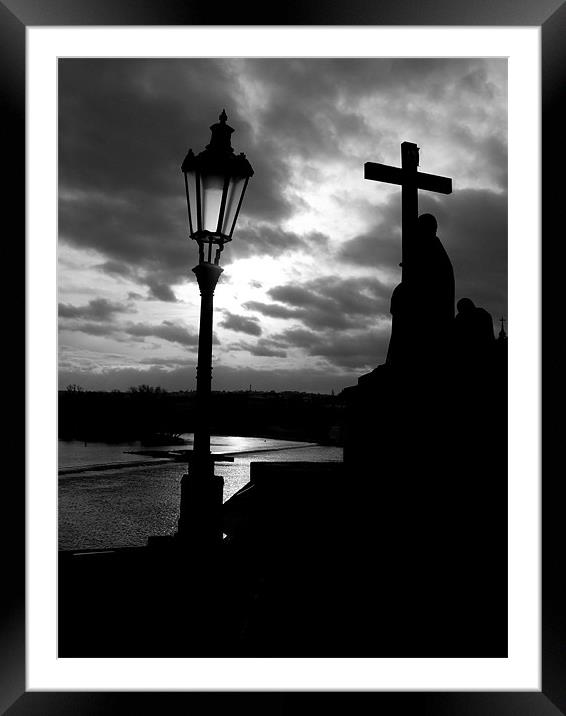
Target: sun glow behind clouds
x,y
310,223
241,278
324,188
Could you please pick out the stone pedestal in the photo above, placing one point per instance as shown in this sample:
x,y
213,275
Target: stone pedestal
x,y
200,523
426,452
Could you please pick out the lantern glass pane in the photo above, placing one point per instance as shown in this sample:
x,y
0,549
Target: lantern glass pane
x,y
192,198
235,189
212,186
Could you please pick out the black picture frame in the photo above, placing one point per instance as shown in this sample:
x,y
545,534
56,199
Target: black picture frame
x,y
15,17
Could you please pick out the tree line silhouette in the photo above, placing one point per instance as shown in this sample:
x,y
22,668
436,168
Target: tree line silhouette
x,y
144,412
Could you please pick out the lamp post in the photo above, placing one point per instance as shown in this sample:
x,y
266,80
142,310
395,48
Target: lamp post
x,y
215,184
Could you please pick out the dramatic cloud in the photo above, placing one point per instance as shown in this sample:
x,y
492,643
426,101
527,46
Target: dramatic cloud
x,y
142,238
167,362
241,324
381,245
167,331
327,302
316,250
161,291
355,349
98,309
91,329
273,310
262,348
115,268
264,240
138,332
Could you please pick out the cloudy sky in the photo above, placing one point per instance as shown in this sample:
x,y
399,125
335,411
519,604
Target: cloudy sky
x,y
303,303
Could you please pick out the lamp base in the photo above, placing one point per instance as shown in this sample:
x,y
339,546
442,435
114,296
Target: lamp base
x,y
200,521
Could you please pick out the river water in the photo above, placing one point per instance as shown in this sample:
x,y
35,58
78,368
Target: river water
x,y
120,506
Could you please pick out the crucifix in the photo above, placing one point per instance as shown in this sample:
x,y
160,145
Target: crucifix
x,y
411,180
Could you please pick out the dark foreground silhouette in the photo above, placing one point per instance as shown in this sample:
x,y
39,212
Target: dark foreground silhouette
x,y
401,551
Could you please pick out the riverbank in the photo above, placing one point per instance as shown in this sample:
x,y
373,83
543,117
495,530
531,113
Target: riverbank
x,y
119,506
164,455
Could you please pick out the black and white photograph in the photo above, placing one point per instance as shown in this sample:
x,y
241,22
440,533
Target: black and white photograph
x,y
282,352
282,329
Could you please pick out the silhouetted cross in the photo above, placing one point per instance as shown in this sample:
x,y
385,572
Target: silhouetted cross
x,y
411,180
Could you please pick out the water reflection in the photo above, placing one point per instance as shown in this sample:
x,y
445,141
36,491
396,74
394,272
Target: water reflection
x,y
121,507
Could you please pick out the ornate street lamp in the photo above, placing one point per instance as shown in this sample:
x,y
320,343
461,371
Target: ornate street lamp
x,y
215,184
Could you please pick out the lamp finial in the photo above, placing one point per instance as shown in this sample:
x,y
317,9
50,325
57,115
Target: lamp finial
x,y
220,137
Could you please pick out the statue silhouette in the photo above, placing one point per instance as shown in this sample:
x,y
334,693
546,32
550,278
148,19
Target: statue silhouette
x,y
474,337
422,305
422,441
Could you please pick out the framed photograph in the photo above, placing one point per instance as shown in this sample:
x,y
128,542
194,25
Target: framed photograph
x,y
96,98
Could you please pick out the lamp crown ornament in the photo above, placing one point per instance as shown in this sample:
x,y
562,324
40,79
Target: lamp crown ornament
x,y
220,140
